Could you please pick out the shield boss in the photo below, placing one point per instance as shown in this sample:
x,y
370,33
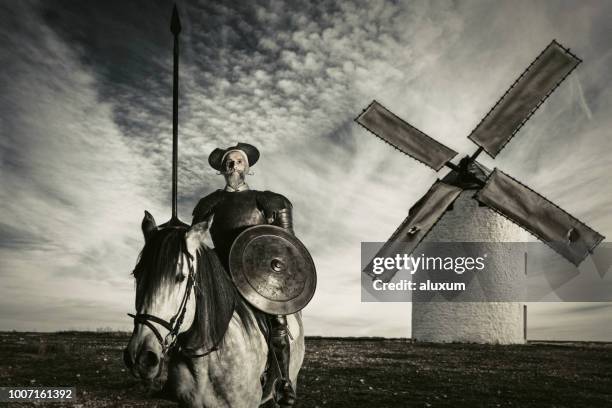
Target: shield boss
x,y
272,269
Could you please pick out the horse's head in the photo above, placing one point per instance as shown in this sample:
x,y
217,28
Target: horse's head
x,y
165,300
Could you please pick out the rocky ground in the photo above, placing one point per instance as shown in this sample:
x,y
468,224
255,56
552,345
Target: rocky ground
x,y
340,372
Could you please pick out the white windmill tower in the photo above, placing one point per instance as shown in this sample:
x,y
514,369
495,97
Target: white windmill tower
x,y
473,204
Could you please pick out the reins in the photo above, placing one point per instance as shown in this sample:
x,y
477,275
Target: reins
x,y
173,326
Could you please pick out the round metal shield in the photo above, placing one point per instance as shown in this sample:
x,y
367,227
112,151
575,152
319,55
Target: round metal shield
x,y
272,269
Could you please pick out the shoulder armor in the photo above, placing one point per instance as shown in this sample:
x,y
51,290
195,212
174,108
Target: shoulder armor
x,y
205,206
270,202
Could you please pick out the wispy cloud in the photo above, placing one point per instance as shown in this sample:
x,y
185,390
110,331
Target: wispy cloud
x,y
86,125
72,189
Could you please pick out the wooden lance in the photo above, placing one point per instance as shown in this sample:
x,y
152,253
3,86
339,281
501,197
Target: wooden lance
x,y
175,28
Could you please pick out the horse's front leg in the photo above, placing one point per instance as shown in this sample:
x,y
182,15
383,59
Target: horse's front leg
x,y
182,383
214,381
233,378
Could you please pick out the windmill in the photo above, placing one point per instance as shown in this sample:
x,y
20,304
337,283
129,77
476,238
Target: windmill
x,y
499,208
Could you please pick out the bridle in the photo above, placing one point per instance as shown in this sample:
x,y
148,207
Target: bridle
x,y
174,324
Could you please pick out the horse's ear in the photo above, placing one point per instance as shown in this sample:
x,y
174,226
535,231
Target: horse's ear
x,y
148,225
195,236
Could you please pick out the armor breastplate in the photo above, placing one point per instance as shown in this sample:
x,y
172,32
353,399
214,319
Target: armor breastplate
x,y
233,214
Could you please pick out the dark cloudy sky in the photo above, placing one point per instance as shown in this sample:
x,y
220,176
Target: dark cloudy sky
x,y
85,122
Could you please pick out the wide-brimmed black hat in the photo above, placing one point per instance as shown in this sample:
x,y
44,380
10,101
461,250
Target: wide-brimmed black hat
x,y
216,157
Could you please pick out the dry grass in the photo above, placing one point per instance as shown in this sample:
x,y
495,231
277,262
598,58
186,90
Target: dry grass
x,y
341,372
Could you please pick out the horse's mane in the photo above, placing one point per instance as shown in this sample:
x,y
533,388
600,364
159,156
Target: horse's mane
x,y
217,299
216,295
156,266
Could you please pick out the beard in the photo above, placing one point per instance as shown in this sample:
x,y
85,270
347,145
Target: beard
x,y
234,178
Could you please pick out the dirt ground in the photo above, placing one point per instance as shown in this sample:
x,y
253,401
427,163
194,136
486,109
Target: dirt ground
x,y
340,372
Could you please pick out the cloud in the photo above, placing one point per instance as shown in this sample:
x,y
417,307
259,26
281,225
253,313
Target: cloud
x,y
72,189
86,126
569,321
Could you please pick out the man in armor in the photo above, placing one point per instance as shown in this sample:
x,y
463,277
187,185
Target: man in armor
x,y
236,208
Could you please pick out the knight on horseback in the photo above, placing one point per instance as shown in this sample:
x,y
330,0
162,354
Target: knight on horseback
x,y
230,211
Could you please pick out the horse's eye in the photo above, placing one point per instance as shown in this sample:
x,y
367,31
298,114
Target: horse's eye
x,y
180,278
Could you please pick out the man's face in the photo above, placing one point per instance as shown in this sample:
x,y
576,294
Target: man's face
x,y
235,168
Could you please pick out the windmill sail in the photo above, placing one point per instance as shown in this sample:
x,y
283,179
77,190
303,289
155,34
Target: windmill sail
x,y
422,217
524,97
562,232
404,137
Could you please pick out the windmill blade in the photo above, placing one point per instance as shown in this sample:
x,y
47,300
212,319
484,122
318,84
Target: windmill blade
x,y
404,137
523,98
421,218
565,234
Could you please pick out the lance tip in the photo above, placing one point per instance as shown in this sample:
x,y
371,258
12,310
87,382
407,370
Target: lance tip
x,y
175,24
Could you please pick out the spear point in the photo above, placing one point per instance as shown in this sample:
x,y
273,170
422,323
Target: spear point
x,y
175,23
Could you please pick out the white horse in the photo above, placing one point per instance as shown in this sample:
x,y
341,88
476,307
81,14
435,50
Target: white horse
x,y
190,315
